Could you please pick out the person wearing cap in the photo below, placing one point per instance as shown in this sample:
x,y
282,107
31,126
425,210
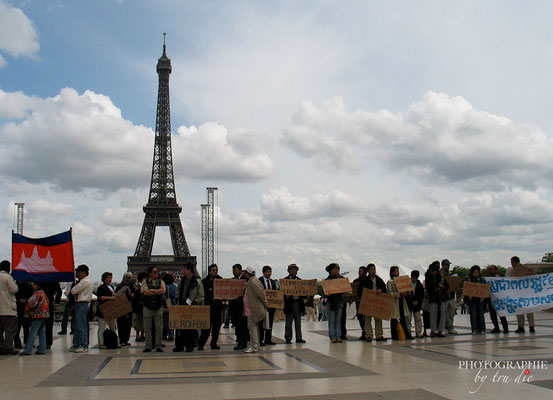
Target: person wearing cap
x,y
294,308
334,303
450,302
82,290
104,293
255,307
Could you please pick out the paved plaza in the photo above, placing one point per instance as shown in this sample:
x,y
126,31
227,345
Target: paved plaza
x,y
418,369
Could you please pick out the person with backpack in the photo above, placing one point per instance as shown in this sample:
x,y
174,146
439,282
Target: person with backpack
x,y
104,294
153,289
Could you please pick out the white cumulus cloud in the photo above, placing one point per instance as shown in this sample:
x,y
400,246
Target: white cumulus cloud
x,y
18,36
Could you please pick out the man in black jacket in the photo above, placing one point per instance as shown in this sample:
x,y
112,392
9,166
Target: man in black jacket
x,y
237,313
214,311
360,317
294,308
414,304
373,282
265,335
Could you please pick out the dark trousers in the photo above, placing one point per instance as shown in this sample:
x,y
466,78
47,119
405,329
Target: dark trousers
x,y
185,338
50,330
124,325
394,322
343,317
68,311
24,323
240,325
215,327
8,327
294,316
360,319
493,317
477,323
266,335
426,319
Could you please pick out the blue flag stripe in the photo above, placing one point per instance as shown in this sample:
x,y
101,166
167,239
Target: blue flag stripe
x,y
54,240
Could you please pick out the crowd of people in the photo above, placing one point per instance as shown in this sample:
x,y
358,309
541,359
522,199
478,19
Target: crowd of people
x,y
430,305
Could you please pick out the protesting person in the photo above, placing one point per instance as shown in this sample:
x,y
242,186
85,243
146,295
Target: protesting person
x,y
294,308
436,289
255,307
492,271
215,309
399,306
153,289
124,323
104,293
38,311
237,313
190,292
266,334
476,304
515,262
449,300
8,310
362,274
414,304
335,304
82,290
372,282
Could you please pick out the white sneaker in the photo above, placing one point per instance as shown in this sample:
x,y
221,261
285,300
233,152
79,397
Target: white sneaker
x,y
250,350
81,349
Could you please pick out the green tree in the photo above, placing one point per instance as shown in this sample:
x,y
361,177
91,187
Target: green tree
x,y
548,257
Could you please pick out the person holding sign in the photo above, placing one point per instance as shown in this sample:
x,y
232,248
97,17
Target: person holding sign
x,y
190,292
492,271
104,293
237,313
215,309
360,317
476,304
294,308
451,303
334,304
400,306
515,265
373,282
255,307
266,335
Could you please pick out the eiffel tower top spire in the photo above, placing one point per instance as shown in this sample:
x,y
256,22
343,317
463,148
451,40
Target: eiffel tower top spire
x,y
162,188
162,208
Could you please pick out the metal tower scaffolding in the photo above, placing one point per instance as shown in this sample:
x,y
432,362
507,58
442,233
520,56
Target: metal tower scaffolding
x,y
19,227
204,239
208,230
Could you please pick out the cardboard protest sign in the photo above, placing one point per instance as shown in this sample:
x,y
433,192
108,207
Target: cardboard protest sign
x,y
274,298
115,308
522,270
298,287
189,317
404,284
336,286
352,296
454,283
374,304
228,289
473,289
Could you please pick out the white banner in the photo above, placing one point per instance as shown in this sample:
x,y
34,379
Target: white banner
x,y
521,295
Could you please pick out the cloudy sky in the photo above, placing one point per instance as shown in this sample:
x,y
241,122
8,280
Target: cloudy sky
x,y
336,131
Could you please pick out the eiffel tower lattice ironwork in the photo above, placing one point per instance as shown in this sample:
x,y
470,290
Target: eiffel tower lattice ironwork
x,y
162,208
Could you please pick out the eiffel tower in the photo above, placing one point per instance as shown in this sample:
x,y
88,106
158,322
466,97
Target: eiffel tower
x,y
162,208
